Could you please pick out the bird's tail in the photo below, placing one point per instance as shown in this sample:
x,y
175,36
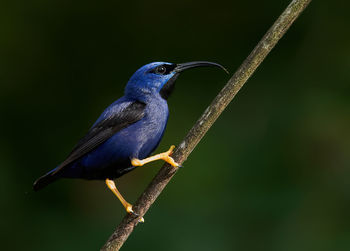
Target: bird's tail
x,y
44,180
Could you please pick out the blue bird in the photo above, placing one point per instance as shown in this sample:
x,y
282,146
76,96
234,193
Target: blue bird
x,y
127,132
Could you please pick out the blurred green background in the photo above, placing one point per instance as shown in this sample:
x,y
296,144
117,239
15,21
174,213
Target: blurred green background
x,y
272,173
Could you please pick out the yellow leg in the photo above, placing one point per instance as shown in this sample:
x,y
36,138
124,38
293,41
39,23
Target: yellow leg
x,y
164,156
127,205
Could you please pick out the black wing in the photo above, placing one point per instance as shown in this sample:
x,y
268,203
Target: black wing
x,y
103,130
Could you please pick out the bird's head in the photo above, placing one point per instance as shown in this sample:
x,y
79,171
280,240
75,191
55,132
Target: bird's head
x,y
159,78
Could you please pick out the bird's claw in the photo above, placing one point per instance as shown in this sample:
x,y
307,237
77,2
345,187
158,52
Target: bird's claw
x,y
133,213
141,219
128,208
130,211
171,161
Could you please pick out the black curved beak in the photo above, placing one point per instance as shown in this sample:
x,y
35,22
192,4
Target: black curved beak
x,y
167,89
185,66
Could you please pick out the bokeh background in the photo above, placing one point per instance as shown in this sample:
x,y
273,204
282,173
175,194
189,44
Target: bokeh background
x,y
272,174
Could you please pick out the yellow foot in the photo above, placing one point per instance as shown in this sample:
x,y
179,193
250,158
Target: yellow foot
x,y
129,210
164,156
126,205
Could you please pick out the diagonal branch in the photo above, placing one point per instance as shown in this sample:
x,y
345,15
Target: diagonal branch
x,y
208,118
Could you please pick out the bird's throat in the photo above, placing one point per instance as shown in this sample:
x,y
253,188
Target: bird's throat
x,y
168,88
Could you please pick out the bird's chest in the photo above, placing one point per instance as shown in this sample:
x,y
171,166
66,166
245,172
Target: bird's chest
x,y
141,138
151,128
155,120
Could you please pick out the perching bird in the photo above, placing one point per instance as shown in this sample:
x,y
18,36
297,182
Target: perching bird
x,y
127,132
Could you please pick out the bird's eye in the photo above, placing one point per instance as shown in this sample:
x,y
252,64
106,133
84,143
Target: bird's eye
x,y
160,69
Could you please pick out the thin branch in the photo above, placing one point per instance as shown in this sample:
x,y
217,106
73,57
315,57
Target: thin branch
x,y
225,96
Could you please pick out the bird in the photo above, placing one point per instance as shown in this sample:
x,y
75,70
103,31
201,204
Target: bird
x,y
127,131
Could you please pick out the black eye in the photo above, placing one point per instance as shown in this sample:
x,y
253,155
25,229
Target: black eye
x,y
163,69
160,70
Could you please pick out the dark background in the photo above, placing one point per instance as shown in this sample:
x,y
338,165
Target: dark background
x,y
271,174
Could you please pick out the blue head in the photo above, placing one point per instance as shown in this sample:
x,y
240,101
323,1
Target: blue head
x,y
158,79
